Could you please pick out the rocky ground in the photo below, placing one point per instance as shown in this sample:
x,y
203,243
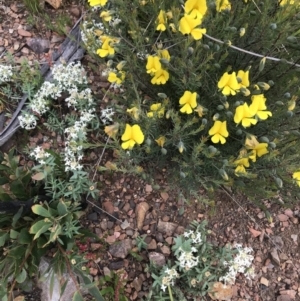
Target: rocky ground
x,y
129,207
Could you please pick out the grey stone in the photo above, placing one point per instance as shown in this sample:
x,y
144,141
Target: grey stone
x,y
93,216
274,256
116,265
157,258
39,45
121,249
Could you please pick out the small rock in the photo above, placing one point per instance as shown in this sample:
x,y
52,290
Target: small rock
x,y
24,33
75,11
180,230
121,249
159,237
125,224
282,217
137,283
254,232
278,241
289,213
264,281
103,225
116,265
39,45
284,298
148,188
95,246
140,212
164,196
157,258
152,245
129,232
165,250
274,256
93,216
166,227
126,207
108,206
294,238
106,271
110,239
56,39
93,271
110,224
169,240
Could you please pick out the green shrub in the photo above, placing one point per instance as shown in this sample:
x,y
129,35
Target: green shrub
x,y
208,90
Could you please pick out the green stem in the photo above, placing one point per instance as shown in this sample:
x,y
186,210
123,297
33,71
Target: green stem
x,y
170,293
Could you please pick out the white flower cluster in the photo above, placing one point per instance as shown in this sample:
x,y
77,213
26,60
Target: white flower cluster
x,y
39,155
168,278
115,21
106,115
187,260
69,76
5,73
196,237
240,264
77,97
76,134
27,121
40,101
88,34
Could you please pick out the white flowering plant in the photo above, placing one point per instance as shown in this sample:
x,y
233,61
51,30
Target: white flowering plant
x,y
198,265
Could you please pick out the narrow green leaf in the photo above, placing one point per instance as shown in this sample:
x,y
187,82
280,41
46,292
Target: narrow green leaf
x,y
3,237
40,210
77,297
22,276
13,234
17,216
42,230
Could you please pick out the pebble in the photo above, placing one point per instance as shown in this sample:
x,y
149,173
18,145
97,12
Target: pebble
x,y
157,258
121,249
159,237
93,216
152,245
274,256
165,250
116,265
129,232
24,33
282,217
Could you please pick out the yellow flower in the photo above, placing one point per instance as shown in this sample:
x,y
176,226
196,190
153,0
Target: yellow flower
x,y
106,48
259,106
188,24
240,169
117,78
200,110
173,27
229,84
164,54
219,132
244,114
242,161
160,77
132,135
112,130
195,8
296,176
156,109
161,141
222,5
106,15
244,76
134,112
97,2
153,64
181,147
284,2
188,102
161,21
258,149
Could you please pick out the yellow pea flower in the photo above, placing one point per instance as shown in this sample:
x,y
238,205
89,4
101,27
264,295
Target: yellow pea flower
x,y
117,78
161,141
229,84
258,149
222,5
132,135
188,102
259,106
106,48
219,132
134,112
195,8
240,169
200,110
161,20
244,76
284,2
157,109
242,161
106,15
296,176
112,130
153,64
164,54
160,77
97,2
244,115
188,24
